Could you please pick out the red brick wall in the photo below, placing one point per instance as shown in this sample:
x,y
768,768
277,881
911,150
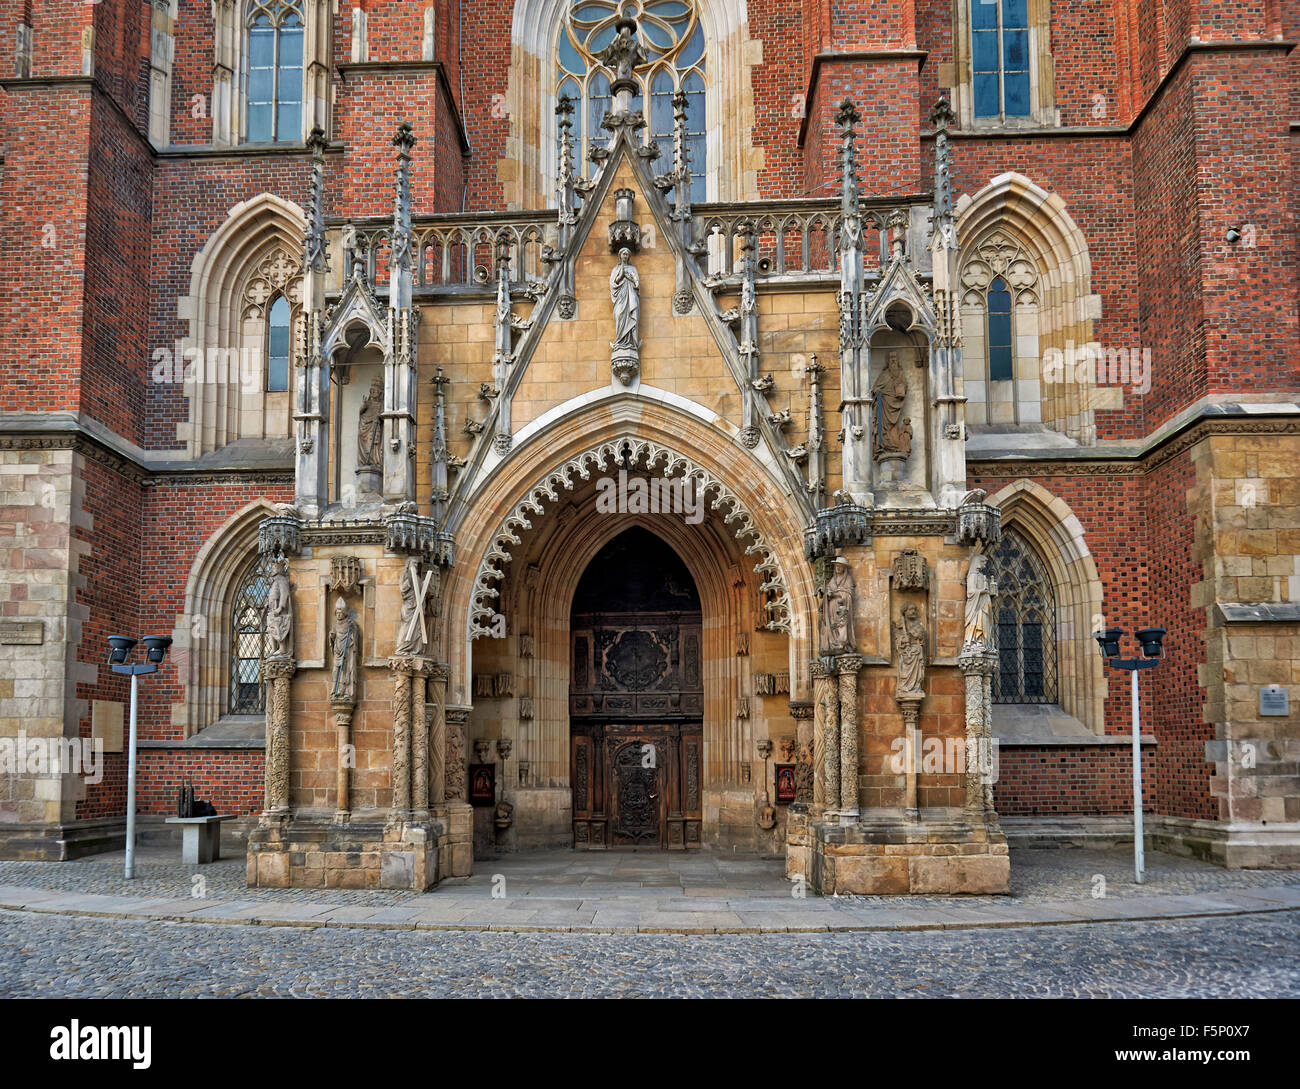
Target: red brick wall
x,y
1068,781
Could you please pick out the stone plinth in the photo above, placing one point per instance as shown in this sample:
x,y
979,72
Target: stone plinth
x,y
315,853
888,856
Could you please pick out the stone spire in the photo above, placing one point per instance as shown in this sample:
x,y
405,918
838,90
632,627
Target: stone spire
x,y
314,253
401,242
941,117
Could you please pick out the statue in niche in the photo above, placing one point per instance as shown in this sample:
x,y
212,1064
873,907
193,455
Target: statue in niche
x,y
279,613
893,437
910,639
838,609
625,53
370,430
345,650
412,634
625,294
980,591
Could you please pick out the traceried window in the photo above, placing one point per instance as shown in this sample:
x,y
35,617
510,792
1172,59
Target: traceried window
x,y
1026,623
673,39
277,346
1000,58
247,633
273,112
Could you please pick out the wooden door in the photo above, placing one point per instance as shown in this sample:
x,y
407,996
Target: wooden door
x,y
634,795
636,786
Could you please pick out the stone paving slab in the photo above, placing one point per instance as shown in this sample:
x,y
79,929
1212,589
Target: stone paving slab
x,y
653,916
561,890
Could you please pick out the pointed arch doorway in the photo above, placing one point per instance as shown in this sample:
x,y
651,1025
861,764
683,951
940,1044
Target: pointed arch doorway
x,y
636,699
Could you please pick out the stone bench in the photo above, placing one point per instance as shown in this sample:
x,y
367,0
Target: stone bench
x,y
200,837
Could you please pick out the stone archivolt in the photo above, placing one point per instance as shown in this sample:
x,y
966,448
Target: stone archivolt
x,y
626,452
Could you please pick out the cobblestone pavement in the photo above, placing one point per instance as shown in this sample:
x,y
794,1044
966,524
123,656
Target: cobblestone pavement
x,y
1246,956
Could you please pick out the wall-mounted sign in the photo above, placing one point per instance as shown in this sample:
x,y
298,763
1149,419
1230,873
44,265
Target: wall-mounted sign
x,y
1274,700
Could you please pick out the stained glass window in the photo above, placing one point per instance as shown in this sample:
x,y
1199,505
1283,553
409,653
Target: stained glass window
x,y
673,39
275,84
247,632
1026,627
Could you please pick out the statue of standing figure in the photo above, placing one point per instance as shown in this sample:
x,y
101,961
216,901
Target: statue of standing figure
x,y
910,639
279,613
625,294
345,650
838,609
893,436
980,591
412,633
370,429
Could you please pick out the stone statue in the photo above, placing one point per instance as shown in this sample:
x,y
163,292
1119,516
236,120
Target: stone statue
x,y
345,650
625,53
838,609
279,613
890,392
411,632
910,639
980,591
625,294
370,430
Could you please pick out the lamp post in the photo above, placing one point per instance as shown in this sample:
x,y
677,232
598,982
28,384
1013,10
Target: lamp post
x,y
120,647
1152,640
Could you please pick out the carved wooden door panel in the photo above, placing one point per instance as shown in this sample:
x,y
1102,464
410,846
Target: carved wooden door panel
x,y
635,797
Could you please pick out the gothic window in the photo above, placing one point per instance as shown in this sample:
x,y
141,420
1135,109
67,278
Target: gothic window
x,y
1000,326
247,631
673,39
1000,58
1026,624
277,346
273,112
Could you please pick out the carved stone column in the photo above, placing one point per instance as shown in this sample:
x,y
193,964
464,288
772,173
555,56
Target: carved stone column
x,y
978,671
402,672
437,734
849,666
342,710
457,724
911,708
826,738
279,675
420,741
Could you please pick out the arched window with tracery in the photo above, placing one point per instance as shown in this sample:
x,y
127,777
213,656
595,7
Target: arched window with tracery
x,y
273,103
247,633
1026,623
277,346
673,39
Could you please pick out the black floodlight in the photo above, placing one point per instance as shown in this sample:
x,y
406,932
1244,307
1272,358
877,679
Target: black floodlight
x,y
1152,640
120,647
156,647
1108,640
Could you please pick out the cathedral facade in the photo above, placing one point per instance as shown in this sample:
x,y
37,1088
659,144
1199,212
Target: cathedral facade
x,y
652,425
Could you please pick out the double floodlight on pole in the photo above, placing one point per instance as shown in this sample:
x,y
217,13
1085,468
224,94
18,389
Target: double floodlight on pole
x,y
1153,650
120,647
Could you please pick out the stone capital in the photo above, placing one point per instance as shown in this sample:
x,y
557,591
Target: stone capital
x,y
848,663
801,709
278,667
979,665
